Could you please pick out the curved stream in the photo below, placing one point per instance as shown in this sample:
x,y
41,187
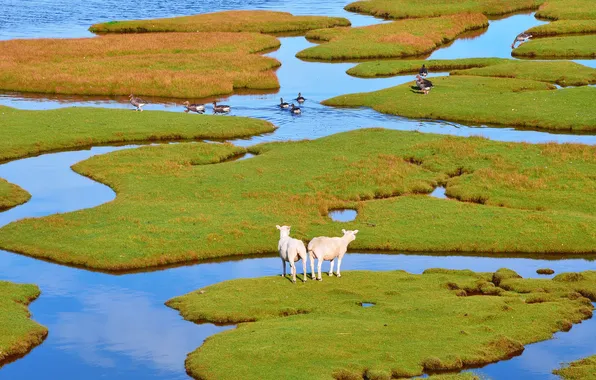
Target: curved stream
x,y
108,326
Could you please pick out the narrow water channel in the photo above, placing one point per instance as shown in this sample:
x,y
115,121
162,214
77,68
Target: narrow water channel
x,y
106,326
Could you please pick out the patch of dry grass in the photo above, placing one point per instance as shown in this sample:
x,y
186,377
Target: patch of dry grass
x,y
396,39
11,195
228,21
179,65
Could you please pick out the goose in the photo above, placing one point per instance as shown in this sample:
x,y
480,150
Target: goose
x,y
300,98
295,110
198,108
222,108
137,102
522,37
283,104
423,84
423,72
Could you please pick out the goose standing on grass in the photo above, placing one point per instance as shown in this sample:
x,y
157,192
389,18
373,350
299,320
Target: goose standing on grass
x,y
283,104
222,108
295,110
423,84
521,38
300,98
423,72
137,102
198,108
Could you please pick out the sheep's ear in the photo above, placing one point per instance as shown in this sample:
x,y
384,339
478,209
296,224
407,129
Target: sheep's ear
x,y
278,227
355,232
343,231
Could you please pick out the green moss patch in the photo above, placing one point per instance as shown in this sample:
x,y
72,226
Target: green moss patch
x,y
558,47
583,369
419,324
18,333
28,133
176,65
229,21
411,66
395,39
11,195
399,9
179,203
515,102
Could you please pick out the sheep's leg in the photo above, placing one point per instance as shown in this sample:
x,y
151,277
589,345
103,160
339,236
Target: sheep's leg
x,y
293,271
331,267
283,265
320,264
338,265
312,265
304,269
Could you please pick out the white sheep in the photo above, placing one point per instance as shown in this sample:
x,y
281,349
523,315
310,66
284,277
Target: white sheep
x,y
291,250
329,248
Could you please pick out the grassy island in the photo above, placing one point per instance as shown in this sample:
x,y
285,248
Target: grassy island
x,y
229,21
387,68
558,47
442,320
479,100
18,333
181,202
179,65
563,27
583,369
11,195
396,39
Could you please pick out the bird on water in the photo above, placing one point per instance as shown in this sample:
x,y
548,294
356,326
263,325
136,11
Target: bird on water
x,y
198,108
137,102
222,108
521,38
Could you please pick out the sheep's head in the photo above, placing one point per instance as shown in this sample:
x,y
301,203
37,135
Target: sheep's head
x,y
350,234
284,230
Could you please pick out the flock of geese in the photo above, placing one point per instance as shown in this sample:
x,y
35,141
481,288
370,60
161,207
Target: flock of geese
x,y
423,84
138,103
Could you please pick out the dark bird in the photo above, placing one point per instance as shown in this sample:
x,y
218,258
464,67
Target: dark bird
x,y
137,102
283,104
300,98
221,108
423,71
423,84
521,38
198,108
295,110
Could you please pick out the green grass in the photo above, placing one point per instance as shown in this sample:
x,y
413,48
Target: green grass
x,y
399,9
558,47
174,206
18,333
567,10
478,100
397,67
583,369
564,27
11,195
229,21
395,39
27,133
440,320
563,73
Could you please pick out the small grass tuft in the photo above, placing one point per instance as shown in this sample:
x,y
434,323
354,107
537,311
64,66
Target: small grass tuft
x,y
545,271
579,370
11,195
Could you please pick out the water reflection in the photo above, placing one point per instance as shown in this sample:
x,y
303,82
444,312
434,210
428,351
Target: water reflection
x,y
346,215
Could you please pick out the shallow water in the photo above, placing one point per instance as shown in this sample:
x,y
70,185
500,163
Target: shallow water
x,y
346,215
106,326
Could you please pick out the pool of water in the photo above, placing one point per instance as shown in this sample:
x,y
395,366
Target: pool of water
x,y
346,215
439,192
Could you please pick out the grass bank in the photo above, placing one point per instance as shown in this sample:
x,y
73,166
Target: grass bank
x,y
411,66
479,100
442,320
567,10
564,27
178,203
27,133
399,9
11,195
558,47
18,333
176,65
229,21
579,370
396,39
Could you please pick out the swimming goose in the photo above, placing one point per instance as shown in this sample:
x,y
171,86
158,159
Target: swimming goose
x,y
295,110
198,108
283,104
300,98
137,102
423,84
423,71
221,108
521,38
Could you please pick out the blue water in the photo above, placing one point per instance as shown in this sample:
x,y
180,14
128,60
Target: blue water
x,y
343,215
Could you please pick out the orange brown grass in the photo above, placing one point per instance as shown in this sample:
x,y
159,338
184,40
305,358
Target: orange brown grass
x,y
168,65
